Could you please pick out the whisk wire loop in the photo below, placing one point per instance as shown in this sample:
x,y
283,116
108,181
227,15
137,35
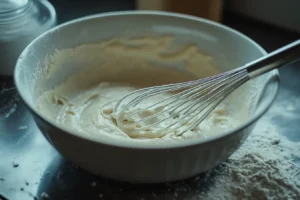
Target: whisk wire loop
x,y
192,99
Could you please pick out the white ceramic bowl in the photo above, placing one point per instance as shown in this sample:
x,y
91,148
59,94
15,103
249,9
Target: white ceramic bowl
x,y
144,163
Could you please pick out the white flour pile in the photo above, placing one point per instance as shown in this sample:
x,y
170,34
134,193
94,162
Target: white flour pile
x,y
261,169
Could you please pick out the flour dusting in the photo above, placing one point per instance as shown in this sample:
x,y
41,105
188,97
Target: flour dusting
x,y
262,168
8,100
11,111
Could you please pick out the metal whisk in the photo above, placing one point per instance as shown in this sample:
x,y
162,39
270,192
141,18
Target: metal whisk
x,y
189,103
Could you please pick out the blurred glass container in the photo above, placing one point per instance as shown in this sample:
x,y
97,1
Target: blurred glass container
x,y
21,21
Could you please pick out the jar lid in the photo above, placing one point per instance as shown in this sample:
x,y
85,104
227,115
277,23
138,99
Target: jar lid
x,y
19,17
12,5
13,9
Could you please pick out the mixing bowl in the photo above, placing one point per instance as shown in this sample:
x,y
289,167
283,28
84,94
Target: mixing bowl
x,y
142,162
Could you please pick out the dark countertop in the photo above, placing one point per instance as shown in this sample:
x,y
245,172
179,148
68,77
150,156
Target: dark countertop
x,y
29,166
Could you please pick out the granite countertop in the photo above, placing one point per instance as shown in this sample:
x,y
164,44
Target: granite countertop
x,y
29,166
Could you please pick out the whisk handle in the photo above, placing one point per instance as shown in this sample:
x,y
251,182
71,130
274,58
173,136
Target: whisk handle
x,y
275,59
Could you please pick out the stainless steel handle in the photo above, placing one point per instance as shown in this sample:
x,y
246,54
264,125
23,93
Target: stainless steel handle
x,y
275,59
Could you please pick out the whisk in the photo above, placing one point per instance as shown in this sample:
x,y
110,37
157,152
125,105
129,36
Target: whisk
x,y
189,103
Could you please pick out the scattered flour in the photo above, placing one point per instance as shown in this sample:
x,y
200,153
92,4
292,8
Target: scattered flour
x,y
11,111
44,196
93,184
22,127
262,168
8,100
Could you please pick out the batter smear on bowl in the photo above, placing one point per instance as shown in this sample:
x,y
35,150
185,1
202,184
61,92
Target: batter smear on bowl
x,y
85,101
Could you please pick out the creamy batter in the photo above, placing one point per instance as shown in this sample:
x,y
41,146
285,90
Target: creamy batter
x,y
85,100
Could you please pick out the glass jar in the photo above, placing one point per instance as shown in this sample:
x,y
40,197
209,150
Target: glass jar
x,y
21,21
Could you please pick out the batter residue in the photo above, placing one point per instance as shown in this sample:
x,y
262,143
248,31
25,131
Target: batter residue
x,y
84,102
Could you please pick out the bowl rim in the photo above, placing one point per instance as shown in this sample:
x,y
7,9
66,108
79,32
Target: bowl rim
x,y
145,145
